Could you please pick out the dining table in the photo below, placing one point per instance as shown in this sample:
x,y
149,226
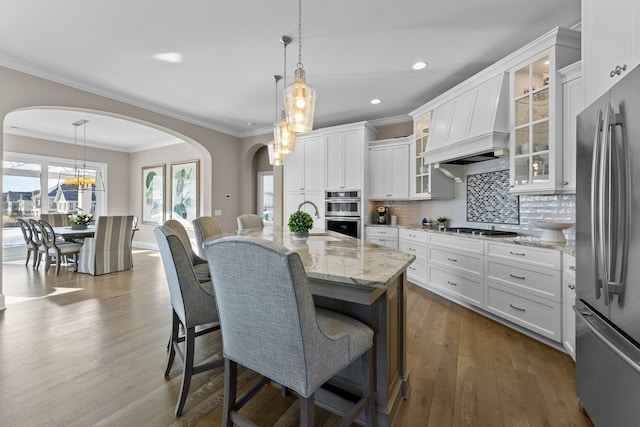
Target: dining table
x,y
69,233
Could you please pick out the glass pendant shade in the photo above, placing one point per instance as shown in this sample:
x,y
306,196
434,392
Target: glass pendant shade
x,y
275,158
286,138
299,104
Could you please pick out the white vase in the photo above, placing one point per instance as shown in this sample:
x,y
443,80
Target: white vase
x,y
300,236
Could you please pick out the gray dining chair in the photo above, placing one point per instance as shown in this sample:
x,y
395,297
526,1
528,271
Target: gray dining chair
x,y
109,250
55,219
52,249
193,304
199,264
249,221
32,245
205,227
271,326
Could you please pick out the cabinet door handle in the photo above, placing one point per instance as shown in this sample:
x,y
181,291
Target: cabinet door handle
x,y
451,283
517,253
452,260
571,286
517,308
572,267
618,70
517,277
565,182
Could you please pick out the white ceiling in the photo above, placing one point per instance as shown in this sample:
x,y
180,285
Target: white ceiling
x,y
353,51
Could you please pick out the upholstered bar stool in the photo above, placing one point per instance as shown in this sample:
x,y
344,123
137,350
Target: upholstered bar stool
x,y
271,326
193,304
199,264
205,227
249,221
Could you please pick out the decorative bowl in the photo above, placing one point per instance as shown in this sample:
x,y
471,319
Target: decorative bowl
x,y
552,230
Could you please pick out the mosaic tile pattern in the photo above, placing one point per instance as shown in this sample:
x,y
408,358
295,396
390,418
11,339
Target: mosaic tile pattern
x,y
489,199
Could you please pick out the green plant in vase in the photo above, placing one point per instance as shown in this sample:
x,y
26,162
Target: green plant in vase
x,y
442,221
300,223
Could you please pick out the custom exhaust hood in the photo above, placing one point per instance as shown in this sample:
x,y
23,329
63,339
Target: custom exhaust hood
x,y
472,127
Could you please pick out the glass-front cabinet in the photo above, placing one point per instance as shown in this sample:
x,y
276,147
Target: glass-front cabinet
x,y
419,170
532,153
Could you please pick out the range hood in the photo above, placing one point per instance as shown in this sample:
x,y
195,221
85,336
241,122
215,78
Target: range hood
x,y
472,127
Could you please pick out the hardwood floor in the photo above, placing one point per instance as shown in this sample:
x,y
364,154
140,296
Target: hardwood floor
x,y
77,350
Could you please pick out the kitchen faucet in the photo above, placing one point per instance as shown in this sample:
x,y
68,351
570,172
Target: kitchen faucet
x,y
312,204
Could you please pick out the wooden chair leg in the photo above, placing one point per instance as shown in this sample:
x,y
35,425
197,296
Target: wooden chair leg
x,y
187,369
173,340
307,409
230,390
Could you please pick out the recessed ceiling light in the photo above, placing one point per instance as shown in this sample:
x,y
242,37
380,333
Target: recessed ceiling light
x,y
420,65
173,57
546,62
251,123
375,101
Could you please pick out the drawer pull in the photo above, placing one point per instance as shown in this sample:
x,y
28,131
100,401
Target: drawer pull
x,y
452,283
516,308
571,286
517,277
412,250
517,253
572,267
452,260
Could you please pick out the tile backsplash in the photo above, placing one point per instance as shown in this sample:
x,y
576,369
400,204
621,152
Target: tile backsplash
x,y
532,208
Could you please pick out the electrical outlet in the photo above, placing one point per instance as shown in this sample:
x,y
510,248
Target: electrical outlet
x,y
217,212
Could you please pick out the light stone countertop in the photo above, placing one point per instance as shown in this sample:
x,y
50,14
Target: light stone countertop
x,y
338,258
522,239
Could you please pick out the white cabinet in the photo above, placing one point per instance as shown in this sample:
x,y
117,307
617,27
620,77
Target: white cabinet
x,y
345,160
389,169
455,267
611,30
569,300
523,285
572,105
427,182
536,143
293,199
304,169
384,236
415,242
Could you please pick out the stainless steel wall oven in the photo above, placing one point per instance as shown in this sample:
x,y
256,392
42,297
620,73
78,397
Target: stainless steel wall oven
x,y
342,212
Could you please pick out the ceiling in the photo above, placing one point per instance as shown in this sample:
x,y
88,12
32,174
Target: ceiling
x,y
353,51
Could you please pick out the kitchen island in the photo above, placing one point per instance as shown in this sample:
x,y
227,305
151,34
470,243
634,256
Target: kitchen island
x,y
367,282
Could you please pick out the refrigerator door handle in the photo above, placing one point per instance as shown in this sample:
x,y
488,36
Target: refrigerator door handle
x,y
608,222
595,204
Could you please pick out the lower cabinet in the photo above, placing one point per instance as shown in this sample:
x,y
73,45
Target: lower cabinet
x,y
569,300
415,242
469,289
384,236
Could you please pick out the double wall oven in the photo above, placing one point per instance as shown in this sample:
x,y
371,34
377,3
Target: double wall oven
x,y
342,212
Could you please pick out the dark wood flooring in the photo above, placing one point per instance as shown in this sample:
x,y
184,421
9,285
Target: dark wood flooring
x,y
77,350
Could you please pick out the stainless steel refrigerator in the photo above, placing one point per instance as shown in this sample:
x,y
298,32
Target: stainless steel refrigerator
x,y
608,256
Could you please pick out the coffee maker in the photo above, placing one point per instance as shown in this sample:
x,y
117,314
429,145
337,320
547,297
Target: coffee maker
x,y
381,215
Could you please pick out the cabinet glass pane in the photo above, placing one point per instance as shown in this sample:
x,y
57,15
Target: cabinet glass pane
x,y
541,136
540,167
522,140
541,104
418,184
425,183
540,73
522,111
521,83
522,170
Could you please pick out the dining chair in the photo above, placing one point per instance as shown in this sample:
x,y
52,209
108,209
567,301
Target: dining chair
x,y
52,249
110,248
249,221
199,264
32,245
205,227
270,325
56,219
193,304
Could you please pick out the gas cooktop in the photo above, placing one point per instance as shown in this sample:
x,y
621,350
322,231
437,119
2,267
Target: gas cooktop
x,y
482,232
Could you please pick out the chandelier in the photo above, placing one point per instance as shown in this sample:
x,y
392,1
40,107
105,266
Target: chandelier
x,y
83,179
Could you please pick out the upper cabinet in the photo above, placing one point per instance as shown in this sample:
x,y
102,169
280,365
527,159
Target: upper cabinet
x,y
426,182
572,104
345,154
388,169
611,47
536,142
304,169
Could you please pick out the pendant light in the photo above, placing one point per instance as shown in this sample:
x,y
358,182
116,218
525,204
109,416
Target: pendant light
x,y
299,97
282,134
274,147
82,179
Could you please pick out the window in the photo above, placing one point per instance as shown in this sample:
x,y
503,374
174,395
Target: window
x,y
33,185
265,196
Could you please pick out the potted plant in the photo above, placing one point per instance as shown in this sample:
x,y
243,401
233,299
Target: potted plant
x,y
442,222
80,221
300,223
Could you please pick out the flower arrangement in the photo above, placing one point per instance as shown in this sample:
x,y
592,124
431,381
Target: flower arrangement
x,y
80,219
300,222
